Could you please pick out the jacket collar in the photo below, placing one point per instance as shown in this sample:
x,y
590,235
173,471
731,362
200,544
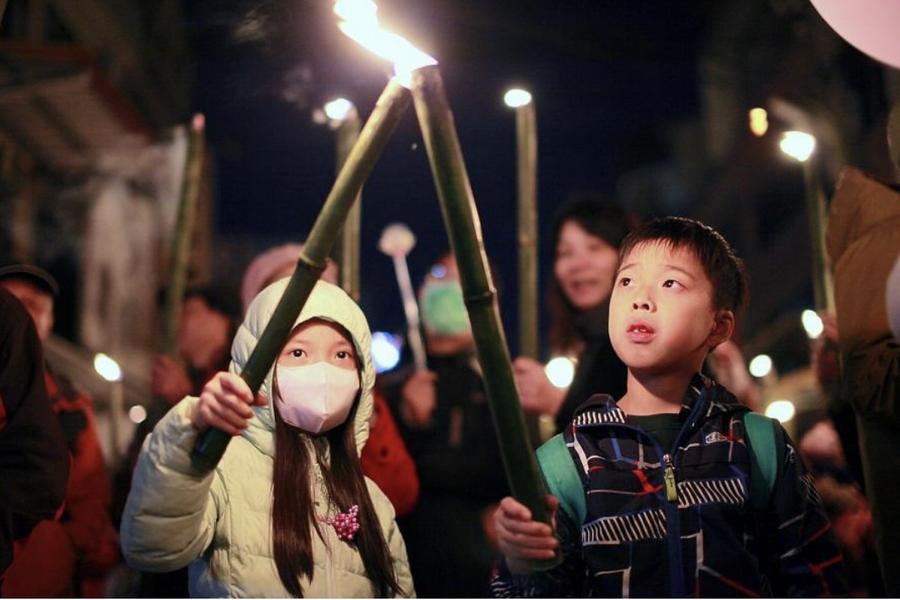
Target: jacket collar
x,y
703,397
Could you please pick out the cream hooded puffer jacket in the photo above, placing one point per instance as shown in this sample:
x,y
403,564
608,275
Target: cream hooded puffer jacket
x,y
219,523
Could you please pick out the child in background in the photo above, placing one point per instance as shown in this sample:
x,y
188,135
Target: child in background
x,y
666,505
324,529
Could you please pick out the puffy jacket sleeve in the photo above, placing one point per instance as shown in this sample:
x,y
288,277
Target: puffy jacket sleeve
x,y
170,515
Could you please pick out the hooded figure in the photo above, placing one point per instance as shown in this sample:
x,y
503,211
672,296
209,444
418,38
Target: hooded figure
x,y
221,523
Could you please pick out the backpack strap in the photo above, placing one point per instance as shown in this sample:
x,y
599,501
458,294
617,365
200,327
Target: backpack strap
x,y
765,457
562,478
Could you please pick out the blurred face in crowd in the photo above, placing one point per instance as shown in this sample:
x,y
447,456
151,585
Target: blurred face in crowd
x,y
202,333
444,315
584,266
37,301
330,274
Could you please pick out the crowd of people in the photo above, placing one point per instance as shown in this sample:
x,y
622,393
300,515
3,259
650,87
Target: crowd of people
x,y
341,482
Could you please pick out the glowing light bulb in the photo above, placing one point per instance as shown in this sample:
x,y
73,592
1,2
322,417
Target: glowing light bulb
x,y
560,371
137,414
798,145
517,97
812,323
759,121
761,365
107,368
783,410
385,351
338,109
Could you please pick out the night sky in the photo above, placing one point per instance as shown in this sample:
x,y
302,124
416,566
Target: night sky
x,y
606,78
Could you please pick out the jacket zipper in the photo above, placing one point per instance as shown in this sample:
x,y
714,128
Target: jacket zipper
x,y
673,518
673,526
669,478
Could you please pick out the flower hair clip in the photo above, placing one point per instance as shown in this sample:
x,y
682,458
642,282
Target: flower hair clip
x,y
345,524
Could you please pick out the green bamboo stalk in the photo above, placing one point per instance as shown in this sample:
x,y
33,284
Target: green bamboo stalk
x,y
375,135
526,146
181,241
464,230
823,285
348,242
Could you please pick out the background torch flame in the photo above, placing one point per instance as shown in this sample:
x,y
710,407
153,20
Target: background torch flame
x,y
359,21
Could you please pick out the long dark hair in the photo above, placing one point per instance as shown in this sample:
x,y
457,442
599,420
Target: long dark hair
x,y
293,511
599,218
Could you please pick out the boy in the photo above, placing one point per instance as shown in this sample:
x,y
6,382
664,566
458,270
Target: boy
x,y
665,505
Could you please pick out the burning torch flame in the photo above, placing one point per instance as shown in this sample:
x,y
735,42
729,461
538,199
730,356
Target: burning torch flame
x,y
359,21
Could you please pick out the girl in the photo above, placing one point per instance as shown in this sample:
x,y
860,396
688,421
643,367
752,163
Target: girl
x,y
586,238
287,512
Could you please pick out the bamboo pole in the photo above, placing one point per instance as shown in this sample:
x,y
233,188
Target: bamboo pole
x,y
526,146
116,414
823,284
348,242
181,241
464,230
375,135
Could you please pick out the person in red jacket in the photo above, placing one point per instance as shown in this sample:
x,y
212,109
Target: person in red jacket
x,y
84,535
34,462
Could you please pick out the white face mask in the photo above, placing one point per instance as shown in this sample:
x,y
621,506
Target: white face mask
x,y
316,397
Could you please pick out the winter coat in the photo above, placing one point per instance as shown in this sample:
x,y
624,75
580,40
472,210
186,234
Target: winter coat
x,y
34,460
220,522
709,540
863,243
83,543
461,471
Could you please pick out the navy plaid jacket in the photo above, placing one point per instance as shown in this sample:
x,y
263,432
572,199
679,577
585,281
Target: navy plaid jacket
x,y
707,541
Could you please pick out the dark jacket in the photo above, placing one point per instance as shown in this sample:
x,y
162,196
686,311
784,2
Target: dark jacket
x,y
34,460
461,474
708,542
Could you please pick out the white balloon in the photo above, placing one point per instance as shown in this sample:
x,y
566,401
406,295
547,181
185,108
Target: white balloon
x,y
869,25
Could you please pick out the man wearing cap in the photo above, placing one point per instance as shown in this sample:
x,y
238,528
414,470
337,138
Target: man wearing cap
x,y
85,535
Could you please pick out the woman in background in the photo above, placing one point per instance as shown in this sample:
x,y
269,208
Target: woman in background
x,y
586,237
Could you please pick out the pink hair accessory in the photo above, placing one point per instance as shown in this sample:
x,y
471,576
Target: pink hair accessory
x,y
345,524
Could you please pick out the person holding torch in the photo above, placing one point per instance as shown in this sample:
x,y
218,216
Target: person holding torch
x,y
446,422
385,459
586,237
287,510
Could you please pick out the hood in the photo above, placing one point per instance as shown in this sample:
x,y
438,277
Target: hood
x,y
327,302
